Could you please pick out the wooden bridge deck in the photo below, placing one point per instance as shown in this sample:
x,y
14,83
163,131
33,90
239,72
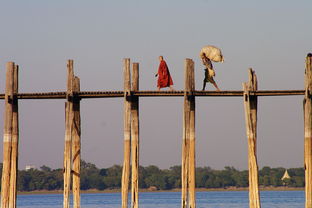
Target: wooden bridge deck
x,y
112,94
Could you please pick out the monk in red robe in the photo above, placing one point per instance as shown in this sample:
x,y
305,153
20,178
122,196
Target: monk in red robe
x,y
164,77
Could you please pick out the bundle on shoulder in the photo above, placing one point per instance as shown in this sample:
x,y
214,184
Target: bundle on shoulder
x,y
211,52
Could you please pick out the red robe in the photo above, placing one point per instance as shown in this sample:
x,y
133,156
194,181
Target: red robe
x,y
164,78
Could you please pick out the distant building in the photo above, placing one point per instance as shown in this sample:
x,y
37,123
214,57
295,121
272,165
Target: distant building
x,y
285,178
29,167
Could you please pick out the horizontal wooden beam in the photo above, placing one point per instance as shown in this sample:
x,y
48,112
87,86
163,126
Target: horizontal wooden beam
x,y
180,93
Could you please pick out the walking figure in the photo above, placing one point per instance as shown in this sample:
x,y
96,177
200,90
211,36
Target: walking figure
x,y
208,54
164,77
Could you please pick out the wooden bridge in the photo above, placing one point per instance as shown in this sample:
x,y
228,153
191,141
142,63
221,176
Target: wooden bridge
x,y
180,93
131,95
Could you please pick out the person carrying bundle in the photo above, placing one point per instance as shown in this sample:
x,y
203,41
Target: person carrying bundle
x,y
207,54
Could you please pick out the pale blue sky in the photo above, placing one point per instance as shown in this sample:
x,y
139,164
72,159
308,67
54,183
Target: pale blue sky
x,y
272,37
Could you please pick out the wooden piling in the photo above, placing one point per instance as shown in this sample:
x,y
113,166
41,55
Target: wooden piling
x,y
15,141
127,134
307,105
188,142
7,136
69,115
250,105
76,144
192,196
135,138
10,138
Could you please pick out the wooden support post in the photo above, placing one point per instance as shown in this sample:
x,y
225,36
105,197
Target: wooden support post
x,y
185,141
135,138
7,136
76,144
69,115
307,107
15,141
250,105
192,196
127,134
10,138
188,142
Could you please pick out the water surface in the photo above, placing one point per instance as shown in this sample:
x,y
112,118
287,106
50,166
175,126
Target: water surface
x,y
213,199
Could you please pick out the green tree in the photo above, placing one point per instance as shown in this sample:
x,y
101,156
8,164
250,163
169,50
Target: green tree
x,y
107,178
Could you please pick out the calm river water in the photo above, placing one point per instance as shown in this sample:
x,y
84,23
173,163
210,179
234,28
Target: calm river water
x,y
214,199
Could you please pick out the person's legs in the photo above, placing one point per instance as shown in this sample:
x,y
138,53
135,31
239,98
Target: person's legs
x,y
216,86
204,84
214,83
206,78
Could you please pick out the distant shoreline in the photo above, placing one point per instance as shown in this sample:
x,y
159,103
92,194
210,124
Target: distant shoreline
x,y
93,191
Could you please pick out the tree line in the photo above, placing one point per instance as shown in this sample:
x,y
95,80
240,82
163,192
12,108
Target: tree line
x,y
151,176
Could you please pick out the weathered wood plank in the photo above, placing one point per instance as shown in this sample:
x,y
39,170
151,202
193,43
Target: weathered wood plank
x,y
127,134
250,105
7,136
15,141
76,144
188,144
68,134
192,161
307,107
135,138
176,93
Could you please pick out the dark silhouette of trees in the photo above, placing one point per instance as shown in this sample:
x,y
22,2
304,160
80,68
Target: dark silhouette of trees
x,y
151,176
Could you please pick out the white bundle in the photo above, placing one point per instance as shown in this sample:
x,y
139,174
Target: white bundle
x,y
211,52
